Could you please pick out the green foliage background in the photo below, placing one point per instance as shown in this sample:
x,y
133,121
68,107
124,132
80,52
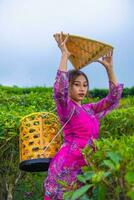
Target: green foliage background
x,y
116,127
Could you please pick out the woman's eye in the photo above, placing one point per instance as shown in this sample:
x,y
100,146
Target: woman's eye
x,y
76,84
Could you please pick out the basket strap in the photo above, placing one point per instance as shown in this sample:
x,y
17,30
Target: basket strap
x,y
60,129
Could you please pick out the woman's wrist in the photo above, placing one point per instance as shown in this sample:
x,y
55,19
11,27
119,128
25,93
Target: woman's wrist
x,y
64,55
109,69
111,76
63,62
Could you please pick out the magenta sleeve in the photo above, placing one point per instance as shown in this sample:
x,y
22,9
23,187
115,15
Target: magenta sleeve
x,y
110,102
60,95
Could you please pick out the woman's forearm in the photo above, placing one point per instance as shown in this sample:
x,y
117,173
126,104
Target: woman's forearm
x,y
63,62
111,76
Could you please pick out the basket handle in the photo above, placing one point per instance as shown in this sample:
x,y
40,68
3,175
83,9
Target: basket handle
x,y
60,129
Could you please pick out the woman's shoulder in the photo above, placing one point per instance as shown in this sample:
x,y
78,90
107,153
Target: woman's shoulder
x,y
87,105
88,108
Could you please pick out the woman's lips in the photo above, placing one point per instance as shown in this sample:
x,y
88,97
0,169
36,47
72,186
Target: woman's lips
x,y
81,95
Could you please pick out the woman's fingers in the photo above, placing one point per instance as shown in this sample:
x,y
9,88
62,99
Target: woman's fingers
x,y
111,53
56,36
103,57
61,37
107,56
66,39
63,41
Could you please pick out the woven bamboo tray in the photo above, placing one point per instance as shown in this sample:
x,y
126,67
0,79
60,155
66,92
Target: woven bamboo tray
x,y
85,51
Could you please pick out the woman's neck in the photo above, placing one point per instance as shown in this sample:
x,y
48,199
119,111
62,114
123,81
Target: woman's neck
x,y
77,102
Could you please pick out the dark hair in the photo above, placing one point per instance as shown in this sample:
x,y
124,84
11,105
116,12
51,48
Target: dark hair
x,y
73,74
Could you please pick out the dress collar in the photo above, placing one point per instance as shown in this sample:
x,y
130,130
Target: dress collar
x,y
76,103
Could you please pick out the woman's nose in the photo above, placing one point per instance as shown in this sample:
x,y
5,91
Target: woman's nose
x,y
82,88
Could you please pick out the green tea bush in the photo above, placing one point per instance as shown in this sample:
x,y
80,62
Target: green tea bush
x,y
109,173
16,103
127,102
119,122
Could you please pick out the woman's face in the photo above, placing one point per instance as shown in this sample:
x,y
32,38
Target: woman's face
x,y
79,89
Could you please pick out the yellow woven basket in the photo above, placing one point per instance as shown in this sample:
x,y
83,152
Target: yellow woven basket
x,y
85,51
36,132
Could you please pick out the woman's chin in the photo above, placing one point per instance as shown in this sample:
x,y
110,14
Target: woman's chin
x,y
80,98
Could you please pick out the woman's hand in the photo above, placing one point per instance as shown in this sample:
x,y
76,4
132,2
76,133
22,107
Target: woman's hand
x,y
64,50
62,43
107,61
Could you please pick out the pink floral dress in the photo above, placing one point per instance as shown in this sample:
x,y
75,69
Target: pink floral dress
x,y
81,130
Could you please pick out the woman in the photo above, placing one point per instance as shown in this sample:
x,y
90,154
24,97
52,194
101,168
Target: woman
x,y
82,129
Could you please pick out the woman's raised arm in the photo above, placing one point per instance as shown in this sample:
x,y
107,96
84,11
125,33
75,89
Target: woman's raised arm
x,y
65,53
107,62
111,101
61,85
